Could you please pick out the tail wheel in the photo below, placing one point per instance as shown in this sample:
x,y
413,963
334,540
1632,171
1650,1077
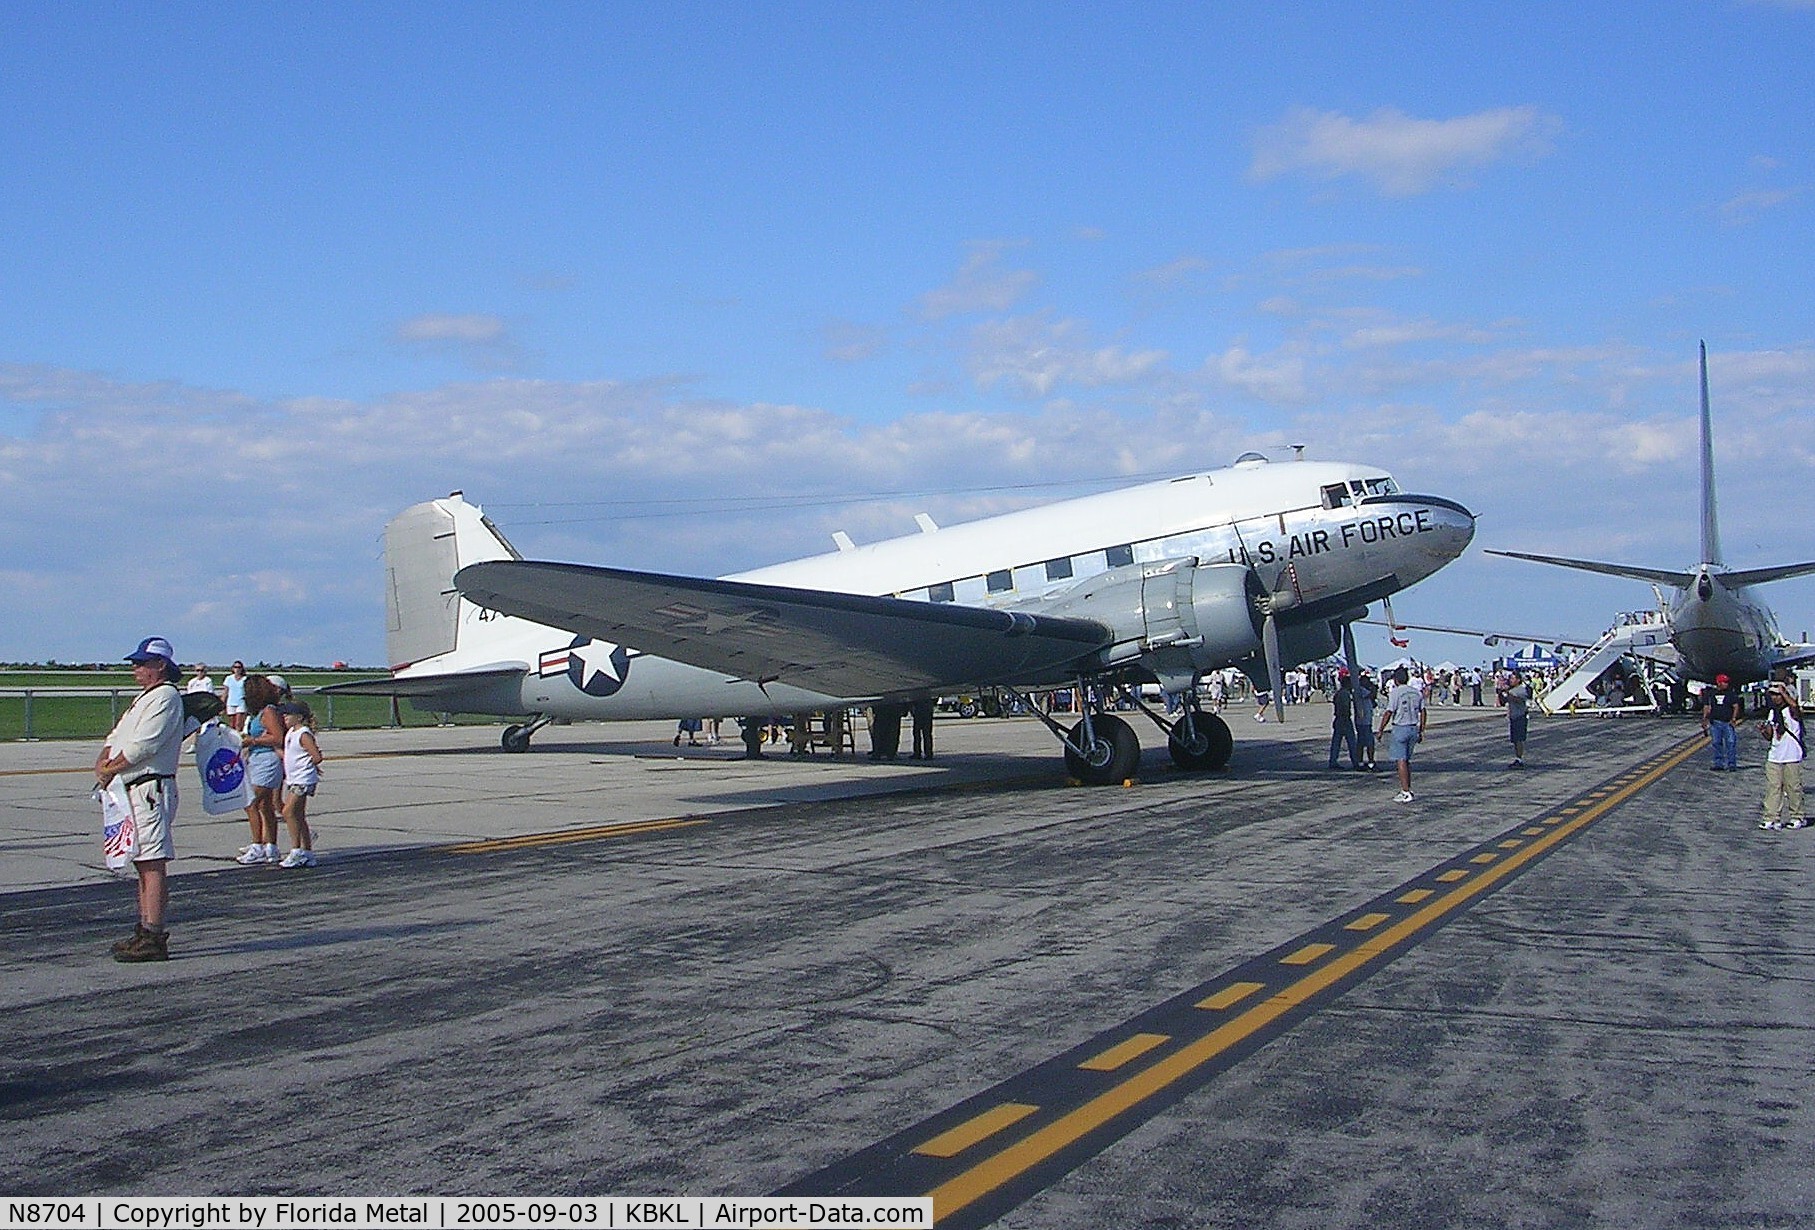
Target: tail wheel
x,y
1113,756
1206,746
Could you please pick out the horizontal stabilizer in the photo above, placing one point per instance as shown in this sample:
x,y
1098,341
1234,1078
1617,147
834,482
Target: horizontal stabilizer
x,y
1759,576
429,687
838,644
1655,576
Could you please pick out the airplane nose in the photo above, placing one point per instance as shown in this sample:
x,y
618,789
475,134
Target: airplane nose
x,y
1432,531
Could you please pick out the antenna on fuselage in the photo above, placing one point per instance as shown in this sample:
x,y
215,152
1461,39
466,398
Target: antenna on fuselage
x,y
1710,528
1298,452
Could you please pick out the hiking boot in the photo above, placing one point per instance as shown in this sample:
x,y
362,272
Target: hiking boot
x,y
144,946
120,946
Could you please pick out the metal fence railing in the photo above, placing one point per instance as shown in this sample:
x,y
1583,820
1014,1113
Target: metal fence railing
x,y
89,713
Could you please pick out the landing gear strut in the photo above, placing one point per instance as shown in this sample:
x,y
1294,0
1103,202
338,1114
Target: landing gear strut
x,y
516,738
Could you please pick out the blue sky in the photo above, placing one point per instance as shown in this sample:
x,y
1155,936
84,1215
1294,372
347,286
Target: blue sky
x,y
641,279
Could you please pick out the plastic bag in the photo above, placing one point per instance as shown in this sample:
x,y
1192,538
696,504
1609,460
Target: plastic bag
x,y
222,768
119,831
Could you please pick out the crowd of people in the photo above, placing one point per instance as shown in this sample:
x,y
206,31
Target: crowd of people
x,y
274,738
135,776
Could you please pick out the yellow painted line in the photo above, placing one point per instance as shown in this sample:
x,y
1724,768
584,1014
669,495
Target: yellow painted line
x,y
1511,843
1367,922
1532,832
1308,954
985,1125
1234,993
1484,859
1016,1159
567,836
1415,896
1450,877
1123,1052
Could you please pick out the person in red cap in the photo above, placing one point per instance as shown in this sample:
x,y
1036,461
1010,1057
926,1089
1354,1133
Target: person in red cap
x,y
1721,708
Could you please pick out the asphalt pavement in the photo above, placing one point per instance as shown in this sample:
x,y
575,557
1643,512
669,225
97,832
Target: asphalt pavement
x,y
1577,994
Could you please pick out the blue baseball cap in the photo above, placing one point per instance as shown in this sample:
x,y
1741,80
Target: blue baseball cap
x,y
153,647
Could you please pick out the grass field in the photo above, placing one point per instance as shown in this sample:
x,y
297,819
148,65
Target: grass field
x,y
92,715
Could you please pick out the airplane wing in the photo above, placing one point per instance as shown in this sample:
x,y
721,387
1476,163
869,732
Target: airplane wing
x,y
1490,636
1656,576
833,643
1791,653
431,687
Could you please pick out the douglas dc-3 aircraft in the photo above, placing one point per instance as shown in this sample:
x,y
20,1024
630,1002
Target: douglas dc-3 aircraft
x,y
1259,566
1715,626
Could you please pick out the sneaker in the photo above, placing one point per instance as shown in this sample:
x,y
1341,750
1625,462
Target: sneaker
x,y
1516,764
298,858
143,946
1404,796
253,856
1770,824
1795,824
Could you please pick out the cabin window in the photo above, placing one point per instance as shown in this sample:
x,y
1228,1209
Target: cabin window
x,y
1058,569
941,592
1335,495
1001,582
1119,557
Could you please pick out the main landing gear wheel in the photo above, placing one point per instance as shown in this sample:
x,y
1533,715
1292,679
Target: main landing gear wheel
x,y
1112,757
516,739
1205,746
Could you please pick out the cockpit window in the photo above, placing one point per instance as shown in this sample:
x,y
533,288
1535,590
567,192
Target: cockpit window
x,y
1335,495
1381,486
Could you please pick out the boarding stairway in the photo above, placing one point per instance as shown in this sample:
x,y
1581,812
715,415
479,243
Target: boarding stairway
x,y
1632,632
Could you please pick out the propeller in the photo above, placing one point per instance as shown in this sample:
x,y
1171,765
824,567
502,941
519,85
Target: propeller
x,y
1269,641
1393,625
1348,653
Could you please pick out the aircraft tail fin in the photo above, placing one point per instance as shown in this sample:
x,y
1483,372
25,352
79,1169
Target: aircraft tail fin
x,y
1710,527
424,546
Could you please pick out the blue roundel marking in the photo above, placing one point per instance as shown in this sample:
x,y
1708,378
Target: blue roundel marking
x,y
597,668
225,771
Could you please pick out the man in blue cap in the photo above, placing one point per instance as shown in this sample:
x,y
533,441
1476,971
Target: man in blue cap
x,y
142,751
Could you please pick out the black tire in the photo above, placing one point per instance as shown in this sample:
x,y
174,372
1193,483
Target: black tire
x,y
1209,751
1112,759
515,739
967,708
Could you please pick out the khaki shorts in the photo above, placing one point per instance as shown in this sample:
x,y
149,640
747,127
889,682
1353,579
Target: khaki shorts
x,y
154,803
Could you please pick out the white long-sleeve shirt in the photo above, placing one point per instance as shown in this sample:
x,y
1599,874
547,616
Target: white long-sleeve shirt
x,y
150,733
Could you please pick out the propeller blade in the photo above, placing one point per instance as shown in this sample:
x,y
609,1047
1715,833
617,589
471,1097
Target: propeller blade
x,y
1269,639
1348,652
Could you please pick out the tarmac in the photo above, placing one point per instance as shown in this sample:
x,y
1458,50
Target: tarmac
x,y
1576,994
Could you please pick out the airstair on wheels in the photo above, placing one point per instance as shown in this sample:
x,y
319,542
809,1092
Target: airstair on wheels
x,y
1631,633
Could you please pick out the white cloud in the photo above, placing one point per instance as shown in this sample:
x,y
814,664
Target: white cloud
x,y
483,342
1399,154
1033,355
981,285
1748,207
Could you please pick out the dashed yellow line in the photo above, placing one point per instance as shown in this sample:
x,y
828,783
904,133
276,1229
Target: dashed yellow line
x,y
1230,995
567,836
985,1125
1367,922
1308,954
1015,1159
1123,1053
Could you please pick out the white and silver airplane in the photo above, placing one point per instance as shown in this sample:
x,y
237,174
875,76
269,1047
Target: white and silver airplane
x,y
1259,566
1715,626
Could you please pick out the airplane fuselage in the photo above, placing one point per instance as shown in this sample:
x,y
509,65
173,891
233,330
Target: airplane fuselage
x,y
1322,539
1717,630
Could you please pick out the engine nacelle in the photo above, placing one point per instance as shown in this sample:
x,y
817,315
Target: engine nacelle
x,y
1174,617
